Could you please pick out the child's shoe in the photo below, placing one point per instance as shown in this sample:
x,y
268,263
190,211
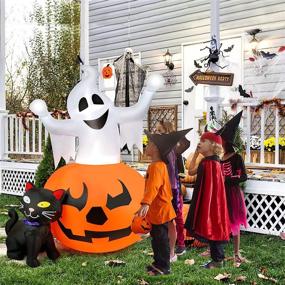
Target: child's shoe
x,y
213,264
206,253
180,250
239,259
173,258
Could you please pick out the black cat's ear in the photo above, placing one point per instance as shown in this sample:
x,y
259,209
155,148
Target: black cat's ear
x,y
59,194
29,186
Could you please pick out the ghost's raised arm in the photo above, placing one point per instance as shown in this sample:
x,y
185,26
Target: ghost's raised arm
x,y
138,111
60,127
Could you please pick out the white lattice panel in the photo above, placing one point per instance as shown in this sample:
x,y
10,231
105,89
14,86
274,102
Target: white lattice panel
x,y
13,181
265,213
265,203
14,177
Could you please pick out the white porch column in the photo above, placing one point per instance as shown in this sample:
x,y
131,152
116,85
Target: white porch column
x,y
214,98
3,112
84,31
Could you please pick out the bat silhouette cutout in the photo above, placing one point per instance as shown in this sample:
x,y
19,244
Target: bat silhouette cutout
x,y
229,49
242,92
190,89
197,64
267,55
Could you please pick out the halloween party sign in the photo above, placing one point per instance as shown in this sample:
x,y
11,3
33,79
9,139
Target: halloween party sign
x,y
212,78
102,193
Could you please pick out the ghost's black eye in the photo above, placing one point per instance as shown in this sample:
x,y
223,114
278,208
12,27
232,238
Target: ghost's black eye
x,y
97,100
83,104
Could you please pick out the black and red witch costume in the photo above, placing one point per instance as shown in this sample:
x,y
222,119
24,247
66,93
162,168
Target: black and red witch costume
x,y
208,218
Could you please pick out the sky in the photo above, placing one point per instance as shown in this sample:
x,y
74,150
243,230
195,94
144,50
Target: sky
x,y
17,29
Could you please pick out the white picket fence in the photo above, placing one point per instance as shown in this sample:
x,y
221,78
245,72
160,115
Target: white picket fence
x,y
267,126
21,140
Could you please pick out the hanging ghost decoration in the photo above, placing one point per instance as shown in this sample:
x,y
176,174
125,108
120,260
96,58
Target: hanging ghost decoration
x,y
130,79
99,188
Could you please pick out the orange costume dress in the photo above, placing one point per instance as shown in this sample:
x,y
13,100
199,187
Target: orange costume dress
x,y
158,194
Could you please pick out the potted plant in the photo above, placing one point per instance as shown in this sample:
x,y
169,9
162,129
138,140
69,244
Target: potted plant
x,y
269,148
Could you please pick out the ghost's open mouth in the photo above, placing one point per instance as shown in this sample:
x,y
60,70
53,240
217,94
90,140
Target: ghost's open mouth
x,y
98,123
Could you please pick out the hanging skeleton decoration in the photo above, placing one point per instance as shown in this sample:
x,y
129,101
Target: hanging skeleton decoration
x,y
213,56
213,125
130,79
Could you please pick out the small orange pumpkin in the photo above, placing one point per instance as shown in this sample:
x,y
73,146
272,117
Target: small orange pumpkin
x,y
140,225
100,205
107,72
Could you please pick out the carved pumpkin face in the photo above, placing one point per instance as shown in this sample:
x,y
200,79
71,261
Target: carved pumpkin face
x,y
141,225
99,208
107,72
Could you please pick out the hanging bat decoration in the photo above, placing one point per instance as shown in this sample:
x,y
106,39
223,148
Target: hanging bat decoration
x,y
267,55
243,93
229,49
197,64
213,56
190,89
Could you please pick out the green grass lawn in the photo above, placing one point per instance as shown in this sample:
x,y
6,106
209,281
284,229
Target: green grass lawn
x,y
266,253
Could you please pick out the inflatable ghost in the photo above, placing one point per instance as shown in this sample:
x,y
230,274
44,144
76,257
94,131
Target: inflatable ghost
x,y
102,194
101,127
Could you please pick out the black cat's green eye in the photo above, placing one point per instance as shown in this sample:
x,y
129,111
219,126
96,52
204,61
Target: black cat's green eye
x,y
43,204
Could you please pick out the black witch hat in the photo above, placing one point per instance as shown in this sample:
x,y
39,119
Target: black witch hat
x,y
228,131
166,142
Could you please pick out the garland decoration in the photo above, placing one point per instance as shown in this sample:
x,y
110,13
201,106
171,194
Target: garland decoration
x,y
57,114
275,102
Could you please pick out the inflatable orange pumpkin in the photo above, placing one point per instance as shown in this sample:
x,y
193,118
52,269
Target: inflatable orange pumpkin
x,y
99,208
140,225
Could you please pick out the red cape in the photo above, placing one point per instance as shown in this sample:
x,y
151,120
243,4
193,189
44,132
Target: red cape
x,y
208,217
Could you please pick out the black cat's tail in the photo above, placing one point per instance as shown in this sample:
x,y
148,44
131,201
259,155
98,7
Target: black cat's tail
x,y
12,221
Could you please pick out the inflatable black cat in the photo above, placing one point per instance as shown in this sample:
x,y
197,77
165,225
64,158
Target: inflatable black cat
x,y
30,236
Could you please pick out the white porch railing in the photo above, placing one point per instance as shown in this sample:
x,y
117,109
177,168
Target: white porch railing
x,y
21,140
262,124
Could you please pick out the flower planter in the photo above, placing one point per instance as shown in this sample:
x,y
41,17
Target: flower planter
x,y
269,156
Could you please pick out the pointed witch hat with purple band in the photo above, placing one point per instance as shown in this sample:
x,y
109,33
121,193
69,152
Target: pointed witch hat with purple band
x,y
166,142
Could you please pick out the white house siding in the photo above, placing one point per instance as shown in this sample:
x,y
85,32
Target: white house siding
x,y
156,25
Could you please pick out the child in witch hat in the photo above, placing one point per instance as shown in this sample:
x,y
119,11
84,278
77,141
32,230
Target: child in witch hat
x,y
234,171
208,219
175,166
156,204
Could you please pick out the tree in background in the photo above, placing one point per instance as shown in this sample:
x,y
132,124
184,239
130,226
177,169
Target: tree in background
x,y
53,70
46,166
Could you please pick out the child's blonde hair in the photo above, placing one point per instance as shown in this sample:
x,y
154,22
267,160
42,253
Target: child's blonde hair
x,y
217,149
167,127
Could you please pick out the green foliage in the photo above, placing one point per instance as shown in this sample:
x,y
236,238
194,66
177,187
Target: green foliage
x,y
52,69
46,166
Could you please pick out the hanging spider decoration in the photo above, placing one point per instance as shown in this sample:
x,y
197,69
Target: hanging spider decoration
x,y
214,54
